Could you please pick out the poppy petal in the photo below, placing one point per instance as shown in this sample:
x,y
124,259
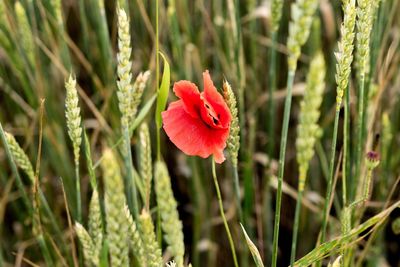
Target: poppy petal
x,y
216,100
192,135
190,95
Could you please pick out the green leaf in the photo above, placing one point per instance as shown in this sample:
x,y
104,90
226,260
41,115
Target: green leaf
x,y
337,244
163,92
253,249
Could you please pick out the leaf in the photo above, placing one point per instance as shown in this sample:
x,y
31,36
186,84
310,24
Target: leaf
x,y
253,249
333,246
163,92
142,114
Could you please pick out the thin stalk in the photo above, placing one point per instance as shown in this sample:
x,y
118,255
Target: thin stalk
x,y
130,182
272,88
157,76
330,181
346,148
237,192
45,250
359,133
296,226
221,209
78,192
282,153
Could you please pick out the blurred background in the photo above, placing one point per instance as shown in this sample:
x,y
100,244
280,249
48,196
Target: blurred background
x,y
42,41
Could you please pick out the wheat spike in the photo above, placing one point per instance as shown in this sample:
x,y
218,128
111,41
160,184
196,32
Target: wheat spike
x,y
308,129
124,67
25,32
115,214
135,238
73,116
137,92
299,28
146,170
89,249
21,159
151,249
95,222
276,14
233,142
344,56
365,10
167,206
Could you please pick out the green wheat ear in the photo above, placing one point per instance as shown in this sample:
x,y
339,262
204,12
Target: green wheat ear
x,y
73,116
124,67
114,207
21,159
25,32
137,92
276,14
233,142
308,130
95,221
89,249
146,170
344,55
302,12
167,206
135,239
151,249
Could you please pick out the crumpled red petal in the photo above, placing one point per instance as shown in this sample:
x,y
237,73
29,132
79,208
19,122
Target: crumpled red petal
x,y
190,95
192,135
215,99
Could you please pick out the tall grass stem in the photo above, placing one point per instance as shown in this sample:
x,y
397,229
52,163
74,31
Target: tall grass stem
x,y
325,212
282,153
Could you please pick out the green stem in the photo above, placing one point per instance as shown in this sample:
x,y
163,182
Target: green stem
x,y
45,250
130,182
78,192
282,153
346,150
157,76
359,131
271,102
296,226
325,212
237,191
221,209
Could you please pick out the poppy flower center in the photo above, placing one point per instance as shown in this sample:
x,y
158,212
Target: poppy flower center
x,y
209,116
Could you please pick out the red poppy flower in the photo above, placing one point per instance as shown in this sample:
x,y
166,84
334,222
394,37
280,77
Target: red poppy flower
x,y
198,123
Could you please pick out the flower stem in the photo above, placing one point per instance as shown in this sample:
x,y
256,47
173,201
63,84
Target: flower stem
x,y
282,153
330,180
221,209
296,226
